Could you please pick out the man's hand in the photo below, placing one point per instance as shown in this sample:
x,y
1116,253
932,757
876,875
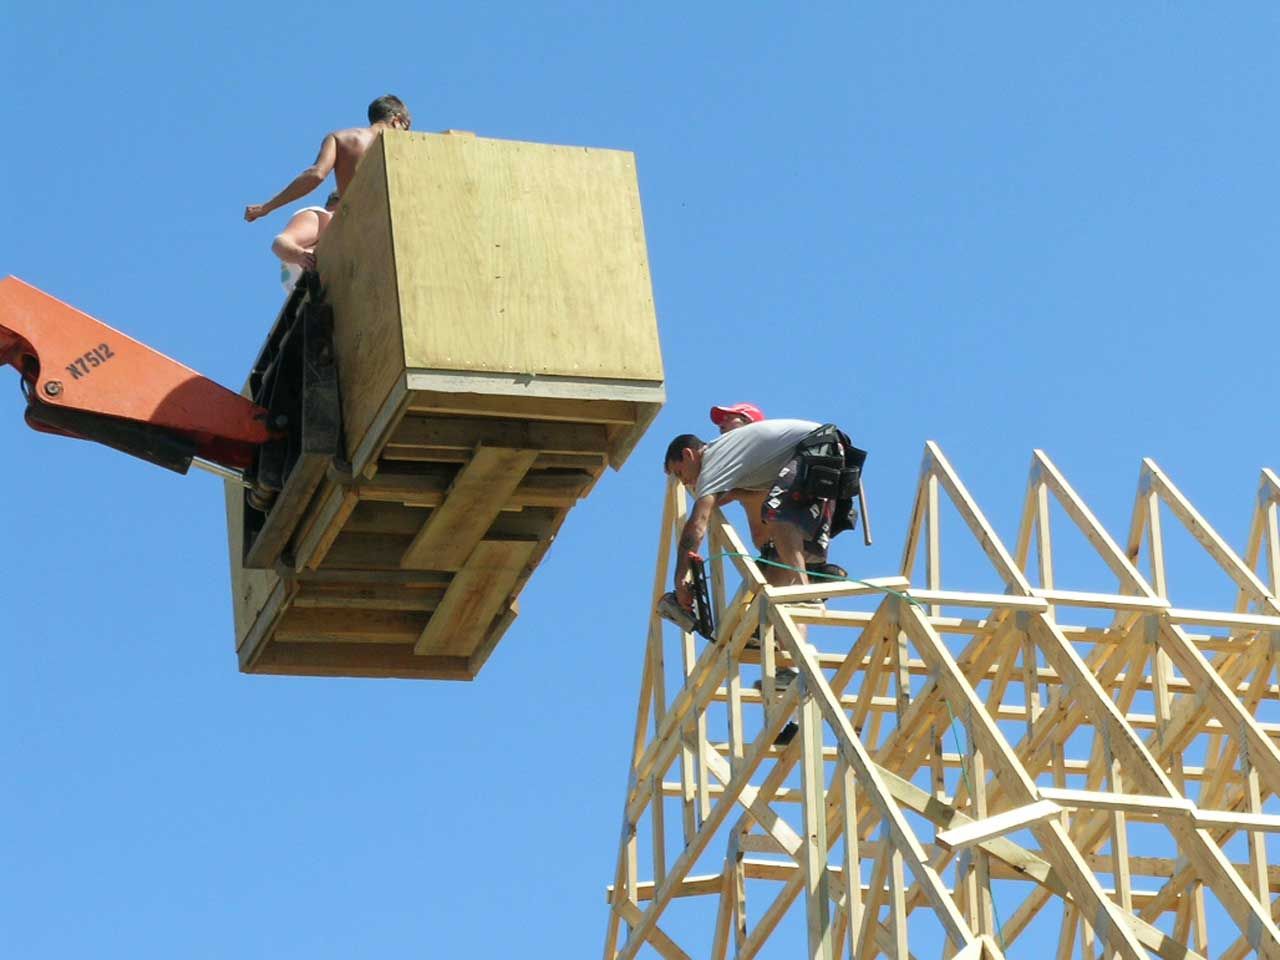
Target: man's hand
x,y
255,211
292,253
684,596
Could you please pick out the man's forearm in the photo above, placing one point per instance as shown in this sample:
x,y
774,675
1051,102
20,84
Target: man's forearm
x,y
690,540
300,186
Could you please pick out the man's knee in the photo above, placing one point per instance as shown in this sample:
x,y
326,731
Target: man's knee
x,y
788,543
787,537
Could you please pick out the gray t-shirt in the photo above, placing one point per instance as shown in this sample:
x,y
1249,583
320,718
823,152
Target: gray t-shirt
x,y
750,457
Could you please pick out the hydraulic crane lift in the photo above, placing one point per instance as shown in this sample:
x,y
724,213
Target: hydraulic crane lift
x,y
82,378
498,350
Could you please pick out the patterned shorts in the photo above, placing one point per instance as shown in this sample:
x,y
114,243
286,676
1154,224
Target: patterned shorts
x,y
784,504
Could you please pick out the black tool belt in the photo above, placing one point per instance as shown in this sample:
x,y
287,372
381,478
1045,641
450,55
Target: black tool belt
x,y
830,466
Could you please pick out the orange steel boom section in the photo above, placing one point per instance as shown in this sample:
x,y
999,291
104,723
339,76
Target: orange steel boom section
x,y
87,380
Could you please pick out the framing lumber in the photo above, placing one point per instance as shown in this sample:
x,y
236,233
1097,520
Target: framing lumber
x,y
1029,742
476,497
475,598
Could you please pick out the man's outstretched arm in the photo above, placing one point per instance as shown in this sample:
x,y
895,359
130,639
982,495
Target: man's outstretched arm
x,y
302,184
695,528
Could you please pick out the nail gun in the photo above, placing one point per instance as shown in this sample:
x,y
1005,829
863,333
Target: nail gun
x,y
701,619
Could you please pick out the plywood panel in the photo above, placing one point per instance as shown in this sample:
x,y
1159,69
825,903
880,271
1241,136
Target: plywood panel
x,y
479,592
359,275
520,257
249,588
479,492
354,660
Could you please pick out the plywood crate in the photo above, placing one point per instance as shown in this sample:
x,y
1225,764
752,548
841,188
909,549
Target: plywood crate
x,y
496,348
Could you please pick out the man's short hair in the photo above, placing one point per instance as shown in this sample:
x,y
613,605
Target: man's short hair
x,y
677,447
331,200
387,108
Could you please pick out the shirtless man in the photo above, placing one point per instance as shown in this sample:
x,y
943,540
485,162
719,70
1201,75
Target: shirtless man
x,y
340,152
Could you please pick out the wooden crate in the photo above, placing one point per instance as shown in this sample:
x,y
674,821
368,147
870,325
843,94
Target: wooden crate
x,y
496,348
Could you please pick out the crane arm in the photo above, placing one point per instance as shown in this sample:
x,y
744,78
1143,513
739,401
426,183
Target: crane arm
x,y
87,380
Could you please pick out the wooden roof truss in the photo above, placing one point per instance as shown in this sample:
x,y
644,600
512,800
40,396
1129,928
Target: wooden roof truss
x,y
996,769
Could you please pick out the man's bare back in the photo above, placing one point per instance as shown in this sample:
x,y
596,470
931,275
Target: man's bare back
x,y
352,145
341,152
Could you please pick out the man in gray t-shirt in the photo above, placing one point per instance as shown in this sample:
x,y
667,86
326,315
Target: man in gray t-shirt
x,y
755,464
749,457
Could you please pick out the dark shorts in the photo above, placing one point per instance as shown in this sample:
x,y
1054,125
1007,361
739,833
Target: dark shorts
x,y
784,504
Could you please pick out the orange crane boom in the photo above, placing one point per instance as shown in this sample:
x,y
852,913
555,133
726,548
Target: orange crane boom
x,y
87,380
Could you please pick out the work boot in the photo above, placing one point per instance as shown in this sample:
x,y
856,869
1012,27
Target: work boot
x,y
786,734
826,571
782,678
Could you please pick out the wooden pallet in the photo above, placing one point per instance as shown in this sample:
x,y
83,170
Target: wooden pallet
x,y
412,568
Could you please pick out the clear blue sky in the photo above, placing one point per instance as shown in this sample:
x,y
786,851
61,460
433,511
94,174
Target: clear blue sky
x,y
992,225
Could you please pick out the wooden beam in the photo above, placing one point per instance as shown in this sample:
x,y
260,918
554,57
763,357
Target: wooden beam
x,y
477,595
998,825
465,433
475,498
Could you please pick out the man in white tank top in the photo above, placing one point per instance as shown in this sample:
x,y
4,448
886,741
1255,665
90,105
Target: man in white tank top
x,y
295,245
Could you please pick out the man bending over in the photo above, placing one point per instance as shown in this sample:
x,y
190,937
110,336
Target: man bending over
x,y
340,152
758,465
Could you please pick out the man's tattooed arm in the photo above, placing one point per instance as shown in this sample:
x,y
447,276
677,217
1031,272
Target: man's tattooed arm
x,y
695,529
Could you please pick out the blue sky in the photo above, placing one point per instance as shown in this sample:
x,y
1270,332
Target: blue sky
x,y
998,226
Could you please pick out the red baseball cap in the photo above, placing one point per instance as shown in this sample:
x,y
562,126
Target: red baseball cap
x,y
748,410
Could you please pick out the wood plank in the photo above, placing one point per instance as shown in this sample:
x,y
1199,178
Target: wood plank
x,y
364,597
813,852
364,551
1127,802
1212,618
552,489
500,626
980,831
397,520
466,433
438,403
357,660
476,596
315,546
478,493
310,625
399,455
1222,819
1104,601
